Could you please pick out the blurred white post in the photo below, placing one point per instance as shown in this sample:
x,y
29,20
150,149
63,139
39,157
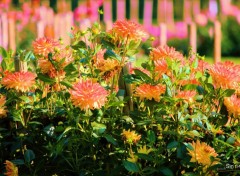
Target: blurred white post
x,y
192,31
217,41
163,34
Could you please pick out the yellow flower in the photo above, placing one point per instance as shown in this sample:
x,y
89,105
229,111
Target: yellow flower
x,y
11,169
3,111
202,154
147,91
130,136
133,158
144,150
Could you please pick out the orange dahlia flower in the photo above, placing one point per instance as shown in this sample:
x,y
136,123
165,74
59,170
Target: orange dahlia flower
x,y
11,169
164,52
88,95
187,95
202,154
128,30
233,105
43,46
130,136
21,81
3,111
225,75
161,67
147,91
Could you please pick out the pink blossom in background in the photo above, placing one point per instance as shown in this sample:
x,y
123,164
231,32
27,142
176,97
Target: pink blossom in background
x,y
4,5
180,31
80,13
238,17
201,19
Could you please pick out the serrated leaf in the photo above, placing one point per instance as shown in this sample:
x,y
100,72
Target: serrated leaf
x,y
131,167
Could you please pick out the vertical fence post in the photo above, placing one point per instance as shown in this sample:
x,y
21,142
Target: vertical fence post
x,y
134,8
217,41
192,33
121,9
163,34
12,33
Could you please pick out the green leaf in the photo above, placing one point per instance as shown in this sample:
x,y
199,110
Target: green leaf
x,y
110,139
45,78
228,92
29,156
131,167
144,156
149,170
18,162
151,136
70,68
143,75
25,99
166,171
67,84
172,145
110,54
3,52
65,131
78,45
3,64
98,127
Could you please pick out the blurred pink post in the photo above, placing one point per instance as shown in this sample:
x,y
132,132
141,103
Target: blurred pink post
x,y
163,34
121,6
187,11
4,30
107,14
12,33
162,10
192,30
134,10
147,18
217,41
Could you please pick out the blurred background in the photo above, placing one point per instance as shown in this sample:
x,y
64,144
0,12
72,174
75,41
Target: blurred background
x,y
174,22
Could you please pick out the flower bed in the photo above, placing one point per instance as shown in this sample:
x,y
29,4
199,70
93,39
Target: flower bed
x,y
85,110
